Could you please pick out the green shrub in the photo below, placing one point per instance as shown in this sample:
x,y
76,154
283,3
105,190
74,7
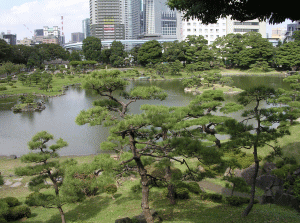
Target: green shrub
x,y
194,187
2,81
10,84
34,199
17,212
182,193
237,201
212,196
11,201
13,86
2,220
70,77
1,180
14,81
3,88
111,189
136,188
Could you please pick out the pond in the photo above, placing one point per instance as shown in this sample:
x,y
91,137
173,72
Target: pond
x,y
59,116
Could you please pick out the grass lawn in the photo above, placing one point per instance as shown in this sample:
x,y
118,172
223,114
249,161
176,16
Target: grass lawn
x,y
57,84
102,208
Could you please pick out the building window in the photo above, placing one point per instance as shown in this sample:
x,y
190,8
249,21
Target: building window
x,y
206,30
211,30
189,30
200,30
206,36
195,30
246,23
211,36
246,30
217,30
194,24
188,23
223,24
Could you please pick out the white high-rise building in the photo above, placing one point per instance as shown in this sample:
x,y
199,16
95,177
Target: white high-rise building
x,y
131,18
223,27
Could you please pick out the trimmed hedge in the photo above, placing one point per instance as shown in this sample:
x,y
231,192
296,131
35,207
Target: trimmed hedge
x,y
237,201
212,197
11,201
17,212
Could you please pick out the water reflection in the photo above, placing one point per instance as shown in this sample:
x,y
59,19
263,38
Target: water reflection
x,y
59,116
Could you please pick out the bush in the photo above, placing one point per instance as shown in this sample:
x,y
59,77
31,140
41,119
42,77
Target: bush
x,y
111,189
13,86
2,81
237,201
136,188
11,201
194,187
182,193
10,84
34,199
1,180
3,88
2,220
212,196
17,212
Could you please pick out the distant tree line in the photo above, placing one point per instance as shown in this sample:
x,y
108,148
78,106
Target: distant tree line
x,y
247,51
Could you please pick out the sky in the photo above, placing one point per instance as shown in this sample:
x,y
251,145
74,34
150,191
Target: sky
x,y
36,14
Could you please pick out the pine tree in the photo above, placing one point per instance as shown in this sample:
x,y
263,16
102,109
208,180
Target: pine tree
x,y
43,166
261,133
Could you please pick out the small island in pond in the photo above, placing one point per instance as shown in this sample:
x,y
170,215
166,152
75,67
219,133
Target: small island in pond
x,y
210,81
28,104
225,89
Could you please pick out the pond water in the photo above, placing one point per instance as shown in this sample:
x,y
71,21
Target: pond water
x,y
59,116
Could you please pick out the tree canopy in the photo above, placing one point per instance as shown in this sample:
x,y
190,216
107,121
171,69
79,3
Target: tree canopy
x,y
92,48
209,11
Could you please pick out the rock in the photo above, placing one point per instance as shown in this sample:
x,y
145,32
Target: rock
x,y
201,169
268,167
297,172
247,173
141,218
17,184
269,181
288,200
26,185
7,182
18,179
123,220
228,172
13,157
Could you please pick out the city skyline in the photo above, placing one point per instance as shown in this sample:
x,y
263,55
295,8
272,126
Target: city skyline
x,y
38,13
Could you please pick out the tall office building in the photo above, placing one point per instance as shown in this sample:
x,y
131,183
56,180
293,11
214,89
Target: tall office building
x,y
11,39
160,20
86,27
131,18
77,37
106,19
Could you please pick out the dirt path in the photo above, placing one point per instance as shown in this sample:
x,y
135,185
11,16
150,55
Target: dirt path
x,y
222,190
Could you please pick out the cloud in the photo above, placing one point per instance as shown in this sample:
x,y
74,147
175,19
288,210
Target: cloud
x,y
36,14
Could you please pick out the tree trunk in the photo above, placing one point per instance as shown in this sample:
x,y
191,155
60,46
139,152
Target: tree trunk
x,y
171,187
144,180
62,215
252,196
250,205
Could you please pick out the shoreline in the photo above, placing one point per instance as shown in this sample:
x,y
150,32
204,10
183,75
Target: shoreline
x,y
65,87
